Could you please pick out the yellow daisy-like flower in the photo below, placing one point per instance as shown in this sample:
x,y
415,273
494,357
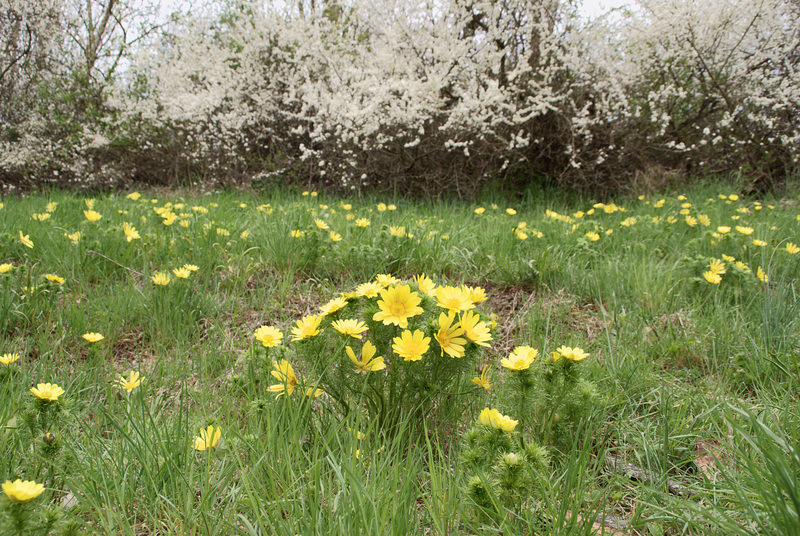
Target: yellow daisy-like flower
x,y
483,379
7,359
397,305
134,196
742,267
411,346
395,230
161,279
93,337
320,224
182,273
792,249
285,374
306,327
190,267
335,237
386,280
332,306
476,294
449,335
712,277
268,336
362,222
495,419
510,211
5,267
208,439
759,243
74,237
51,206
22,492
592,236
454,299
366,363
381,207
728,258
723,229
744,230
716,266
368,290
522,235
352,327
41,217
704,220
690,221
54,279
47,391
311,392
479,210
26,240
425,284
130,383
761,275
521,358
92,215
130,232
569,353
475,329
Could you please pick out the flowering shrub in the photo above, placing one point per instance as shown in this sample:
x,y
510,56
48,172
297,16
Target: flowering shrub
x,y
398,348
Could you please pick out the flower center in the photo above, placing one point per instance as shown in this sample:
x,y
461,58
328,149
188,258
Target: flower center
x,y
397,309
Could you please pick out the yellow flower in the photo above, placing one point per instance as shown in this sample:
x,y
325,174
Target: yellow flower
x,y
134,196
161,279
449,335
25,239
397,305
208,439
759,243
761,275
311,392
223,232
40,217
592,236
411,346
704,220
332,306
521,358
381,207
386,280
368,290
397,230
362,222
690,221
130,232
320,224
454,299
47,391
131,382
269,336
92,215
511,211
391,207
75,237
712,277
522,235
93,337
792,249
733,197
476,294
306,327
571,354
366,363
54,279
475,329
728,258
22,492
336,237
723,229
495,419
7,359
5,267
483,379
190,267
351,327
285,374
297,233
51,206
716,266
425,284
744,230
480,210
182,273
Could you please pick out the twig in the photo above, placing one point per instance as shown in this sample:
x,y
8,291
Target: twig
x,y
112,261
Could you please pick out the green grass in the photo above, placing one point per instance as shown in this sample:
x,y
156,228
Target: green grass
x,y
695,383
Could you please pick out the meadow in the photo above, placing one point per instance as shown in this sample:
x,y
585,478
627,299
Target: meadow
x,y
286,362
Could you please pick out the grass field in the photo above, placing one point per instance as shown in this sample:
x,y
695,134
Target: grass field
x,y
682,419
